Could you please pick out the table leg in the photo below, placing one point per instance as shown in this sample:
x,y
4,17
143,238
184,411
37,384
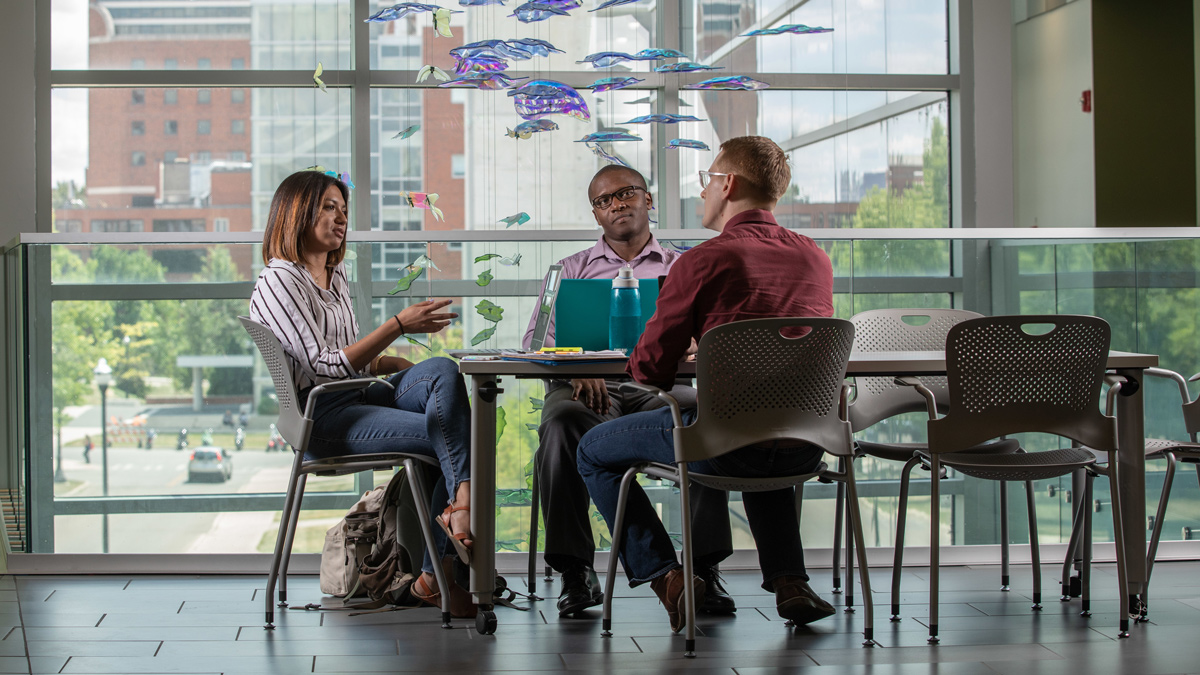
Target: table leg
x,y
483,487
1132,457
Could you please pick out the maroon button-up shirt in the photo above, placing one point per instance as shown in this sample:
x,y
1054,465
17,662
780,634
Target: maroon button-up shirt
x,y
754,269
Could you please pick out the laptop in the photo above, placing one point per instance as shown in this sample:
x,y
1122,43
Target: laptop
x,y
581,315
540,328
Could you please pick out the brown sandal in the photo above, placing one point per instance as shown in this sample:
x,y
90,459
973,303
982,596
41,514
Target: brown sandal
x,y
461,603
422,592
458,539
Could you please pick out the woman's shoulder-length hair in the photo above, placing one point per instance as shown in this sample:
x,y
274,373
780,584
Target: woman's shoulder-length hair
x,y
294,212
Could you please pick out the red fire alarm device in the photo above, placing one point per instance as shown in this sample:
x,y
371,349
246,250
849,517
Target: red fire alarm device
x,y
1085,101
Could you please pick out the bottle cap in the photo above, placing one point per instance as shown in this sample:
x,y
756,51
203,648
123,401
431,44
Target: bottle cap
x,y
625,278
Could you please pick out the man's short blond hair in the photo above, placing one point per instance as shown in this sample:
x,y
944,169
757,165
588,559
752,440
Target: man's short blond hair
x,y
760,162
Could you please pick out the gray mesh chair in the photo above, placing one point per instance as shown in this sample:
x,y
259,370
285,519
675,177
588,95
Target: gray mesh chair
x,y
879,398
1079,546
296,429
1004,379
756,385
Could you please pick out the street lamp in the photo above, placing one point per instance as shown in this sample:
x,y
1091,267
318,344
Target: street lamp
x,y
103,373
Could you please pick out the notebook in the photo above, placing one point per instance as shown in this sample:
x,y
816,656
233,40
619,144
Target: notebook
x,y
581,314
540,328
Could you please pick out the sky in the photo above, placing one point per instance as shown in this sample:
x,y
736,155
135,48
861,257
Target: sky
x,y
69,123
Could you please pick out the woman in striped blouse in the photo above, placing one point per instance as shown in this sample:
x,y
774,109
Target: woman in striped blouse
x,y
304,298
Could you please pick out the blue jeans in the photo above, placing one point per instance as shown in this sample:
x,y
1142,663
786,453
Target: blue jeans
x,y
647,552
427,414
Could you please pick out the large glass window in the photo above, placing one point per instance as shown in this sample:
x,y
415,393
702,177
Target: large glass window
x,y
875,155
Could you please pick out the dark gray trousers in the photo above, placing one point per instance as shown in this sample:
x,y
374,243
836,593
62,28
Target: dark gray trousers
x,y
564,497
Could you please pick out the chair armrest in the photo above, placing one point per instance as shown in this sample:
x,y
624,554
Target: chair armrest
x,y
1176,377
915,383
676,416
1114,383
340,385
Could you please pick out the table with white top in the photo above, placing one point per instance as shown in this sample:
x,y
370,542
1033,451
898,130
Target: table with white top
x,y
485,379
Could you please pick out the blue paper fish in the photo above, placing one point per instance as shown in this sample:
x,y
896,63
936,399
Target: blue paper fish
x,y
538,98
400,11
527,129
536,46
611,83
408,132
731,83
599,152
607,59
659,54
610,3
489,81
676,143
479,3
663,119
479,64
608,137
684,67
515,219
540,10
794,28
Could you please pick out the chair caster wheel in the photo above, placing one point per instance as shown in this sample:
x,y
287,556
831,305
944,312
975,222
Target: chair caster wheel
x,y
533,597
269,626
1036,607
1005,588
870,643
1085,614
789,623
836,590
933,639
1123,634
848,610
282,603
485,622
1064,598
606,633
895,618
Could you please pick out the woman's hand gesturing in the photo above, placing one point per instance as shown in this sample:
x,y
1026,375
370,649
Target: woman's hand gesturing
x,y
424,317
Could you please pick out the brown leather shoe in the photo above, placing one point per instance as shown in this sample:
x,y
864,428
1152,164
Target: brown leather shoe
x,y
669,589
797,602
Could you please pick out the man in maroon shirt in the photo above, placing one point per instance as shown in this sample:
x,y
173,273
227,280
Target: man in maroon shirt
x,y
753,269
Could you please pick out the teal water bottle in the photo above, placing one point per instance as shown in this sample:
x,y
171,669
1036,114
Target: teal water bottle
x,y
624,312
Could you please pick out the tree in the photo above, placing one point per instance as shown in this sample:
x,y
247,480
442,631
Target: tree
x,y
923,205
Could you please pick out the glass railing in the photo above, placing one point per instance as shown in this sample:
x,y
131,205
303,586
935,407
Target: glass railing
x,y
115,471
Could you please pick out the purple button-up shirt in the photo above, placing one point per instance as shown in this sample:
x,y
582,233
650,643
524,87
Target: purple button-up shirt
x,y
601,262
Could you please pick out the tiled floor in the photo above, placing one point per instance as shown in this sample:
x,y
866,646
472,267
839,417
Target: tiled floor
x,y
153,624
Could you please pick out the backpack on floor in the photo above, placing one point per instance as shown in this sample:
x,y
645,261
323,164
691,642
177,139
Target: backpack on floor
x,y
377,549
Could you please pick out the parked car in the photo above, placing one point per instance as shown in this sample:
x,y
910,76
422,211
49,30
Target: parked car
x,y
210,462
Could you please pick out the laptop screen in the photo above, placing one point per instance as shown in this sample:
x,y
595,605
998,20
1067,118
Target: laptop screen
x,y
546,308
581,315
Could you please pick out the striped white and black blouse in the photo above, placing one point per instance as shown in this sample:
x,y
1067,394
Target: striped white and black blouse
x,y
313,324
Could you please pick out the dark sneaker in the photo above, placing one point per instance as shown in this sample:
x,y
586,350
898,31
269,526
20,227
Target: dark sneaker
x,y
796,601
716,599
669,589
580,590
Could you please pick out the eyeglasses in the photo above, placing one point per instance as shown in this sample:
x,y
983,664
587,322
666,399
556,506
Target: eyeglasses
x,y
624,194
706,177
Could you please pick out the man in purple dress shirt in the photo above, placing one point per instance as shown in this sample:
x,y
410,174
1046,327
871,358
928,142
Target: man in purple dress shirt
x,y
621,206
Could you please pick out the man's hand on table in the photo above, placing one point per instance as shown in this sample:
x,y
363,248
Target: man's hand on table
x,y
592,393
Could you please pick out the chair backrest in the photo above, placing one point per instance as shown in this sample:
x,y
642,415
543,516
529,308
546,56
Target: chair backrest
x,y
757,384
1005,379
291,423
887,330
